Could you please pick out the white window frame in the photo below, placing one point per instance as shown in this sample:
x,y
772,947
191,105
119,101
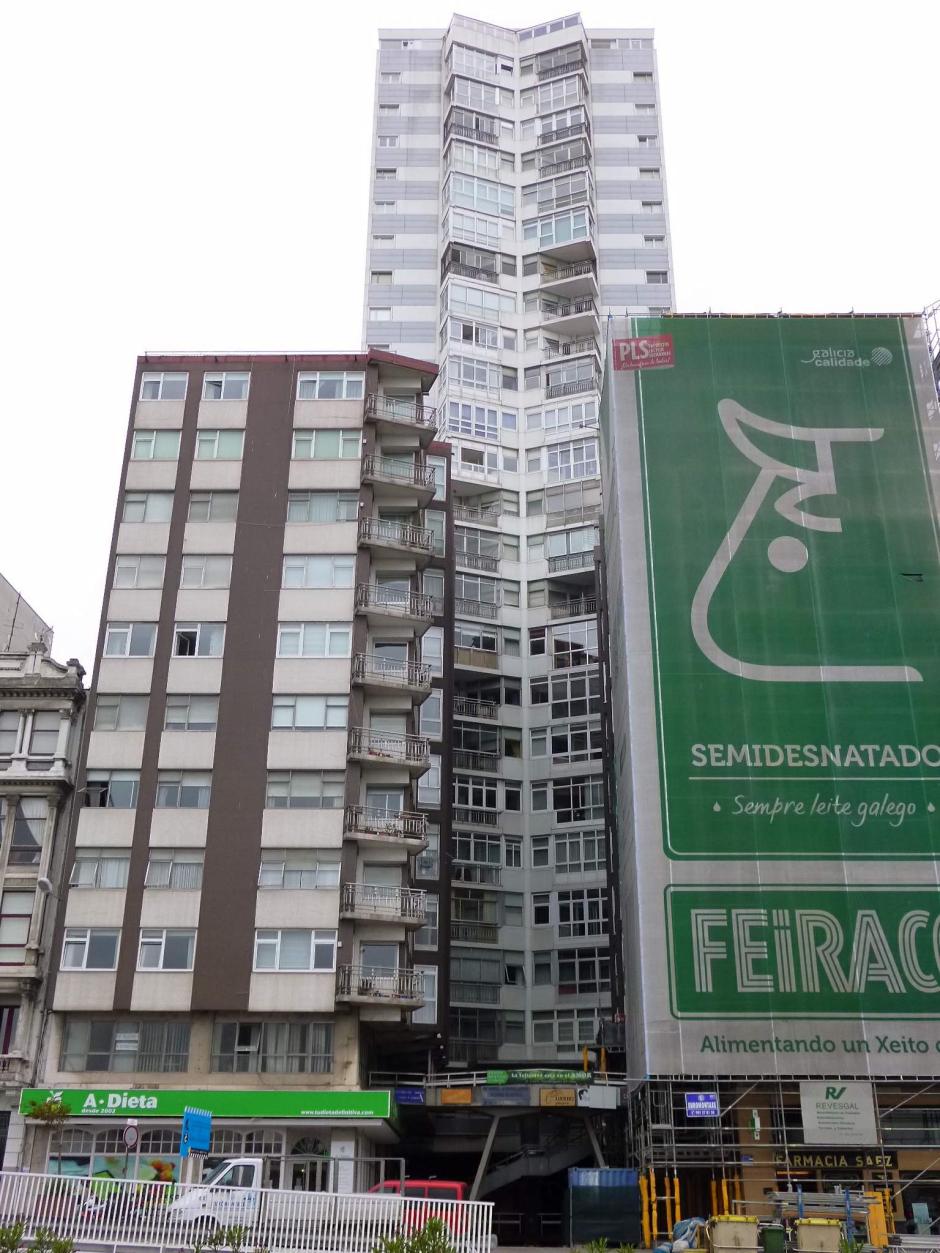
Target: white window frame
x,y
352,384
149,499
298,570
82,936
271,938
178,698
153,438
211,496
132,563
349,444
162,378
218,562
202,632
153,939
114,629
208,440
330,629
227,380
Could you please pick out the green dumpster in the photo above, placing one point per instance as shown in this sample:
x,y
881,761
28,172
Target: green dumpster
x,y
773,1238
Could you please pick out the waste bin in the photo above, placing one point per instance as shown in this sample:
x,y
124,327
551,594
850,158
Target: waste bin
x,y
817,1235
773,1238
733,1233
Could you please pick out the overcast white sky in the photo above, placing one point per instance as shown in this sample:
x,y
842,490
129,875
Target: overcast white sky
x,y
194,174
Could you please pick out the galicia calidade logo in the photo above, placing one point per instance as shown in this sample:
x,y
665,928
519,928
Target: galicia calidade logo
x,y
840,358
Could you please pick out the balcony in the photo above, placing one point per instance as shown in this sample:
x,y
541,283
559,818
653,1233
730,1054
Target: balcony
x,y
568,562
564,167
470,132
397,537
391,414
386,828
474,932
467,707
577,279
371,985
476,561
475,658
574,317
470,759
399,477
465,816
14,1070
579,608
576,513
477,273
565,132
473,872
485,609
383,605
557,69
485,515
389,748
470,993
381,674
571,348
366,902
572,388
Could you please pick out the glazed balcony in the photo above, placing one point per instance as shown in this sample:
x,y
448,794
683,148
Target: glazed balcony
x,y
478,136
366,902
391,414
384,605
382,674
396,537
557,64
572,348
398,477
475,872
475,658
386,828
371,985
389,748
484,515
474,932
577,279
567,166
469,992
565,132
476,561
468,816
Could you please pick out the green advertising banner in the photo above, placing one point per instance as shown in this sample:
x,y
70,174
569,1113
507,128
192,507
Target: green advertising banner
x,y
794,583
221,1103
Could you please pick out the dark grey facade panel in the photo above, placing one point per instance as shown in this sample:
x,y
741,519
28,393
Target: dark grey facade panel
x,y
402,332
404,124
639,294
409,156
621,59
410,93
425,60
396,224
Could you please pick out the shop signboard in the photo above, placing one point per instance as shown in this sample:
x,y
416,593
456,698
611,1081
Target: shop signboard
x,y
409,1096
838,1112
456,1096
511,1094
773,561
558,1098
838,1159
221,1103
538,1076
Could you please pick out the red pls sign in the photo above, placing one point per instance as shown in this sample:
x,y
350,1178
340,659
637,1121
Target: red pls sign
x,y
643,353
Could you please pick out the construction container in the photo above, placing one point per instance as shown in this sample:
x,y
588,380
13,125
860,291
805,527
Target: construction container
x,y
602,1203
731,1233
817,1235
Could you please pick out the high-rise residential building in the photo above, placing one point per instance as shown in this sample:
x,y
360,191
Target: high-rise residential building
x,y
263,768
517,199
41,711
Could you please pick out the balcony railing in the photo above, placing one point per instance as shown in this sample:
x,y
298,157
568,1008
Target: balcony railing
x,y
556,71
473,872
564,132
470,759
476,561
574,608
482,657
564,167
372,668
395,535
389,746
374,901
465,816
385,824
394,410
394,603
562,272
489,515
470,271
571,561
469,132
471,993
372,983
475,932
573,388
573,348
465,608
396,470
558,310
465,707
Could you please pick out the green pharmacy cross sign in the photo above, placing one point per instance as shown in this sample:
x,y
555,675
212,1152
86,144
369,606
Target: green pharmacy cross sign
x,y
794,580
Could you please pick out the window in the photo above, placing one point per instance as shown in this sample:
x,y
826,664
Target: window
x,y
331,385
429,784
44,733
155,446
388,141
322,506
177,868
575,460
168,949
386,174
580,852
644,108
477,302
183,789
295,950
570,695
381,313
120,713
212,507
575,645
299,868
99,868
582,911
428,1011
89,948
431,715
432,649
390,76
428,862
272,1047
469,192
111,789
326,445
389,108
305,789
657,276
565,1027
562,228
16,911
163,386
130,639
428,936
198,639
654,241
139,571
10,723
309,713
318,571
149,1045
225,445
651,206
479,421
541,909
314,639
147,507
29,823
578,800
225,386
191,713
206,571
384,206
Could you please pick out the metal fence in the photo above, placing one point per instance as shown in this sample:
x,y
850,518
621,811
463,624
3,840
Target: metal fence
x,y
117,1213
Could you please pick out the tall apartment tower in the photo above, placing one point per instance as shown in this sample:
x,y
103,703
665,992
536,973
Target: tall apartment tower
x,y
263,764
517,200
